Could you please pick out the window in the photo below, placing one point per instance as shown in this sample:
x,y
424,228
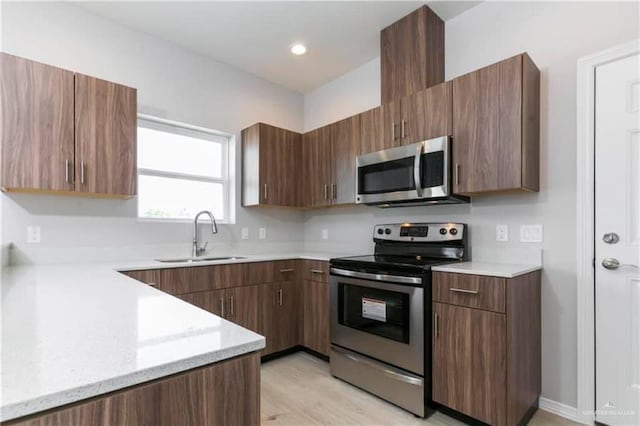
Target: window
x,y
181,170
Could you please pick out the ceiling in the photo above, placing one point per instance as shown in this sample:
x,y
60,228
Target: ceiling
x,y
256,36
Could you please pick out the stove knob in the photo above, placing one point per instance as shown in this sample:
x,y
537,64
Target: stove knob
x,y
443,231
453,231
380,231
387,231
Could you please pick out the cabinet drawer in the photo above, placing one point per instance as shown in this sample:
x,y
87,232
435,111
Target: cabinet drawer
x,y
473,291
285,270
316,270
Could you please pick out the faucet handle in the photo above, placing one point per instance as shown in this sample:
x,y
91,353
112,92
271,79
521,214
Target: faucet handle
x,y
202,249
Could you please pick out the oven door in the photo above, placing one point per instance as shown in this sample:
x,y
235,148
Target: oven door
x,y
374,316
411,172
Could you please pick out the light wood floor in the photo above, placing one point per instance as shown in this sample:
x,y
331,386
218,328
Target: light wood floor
x,y
298,390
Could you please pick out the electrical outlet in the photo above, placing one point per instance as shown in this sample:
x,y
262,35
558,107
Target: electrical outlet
x,y
531,233
502,232
245,233
325,234
33,234
263,233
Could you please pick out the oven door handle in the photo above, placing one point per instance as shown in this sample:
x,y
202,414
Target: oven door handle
x,y
394,375
376,277
416,169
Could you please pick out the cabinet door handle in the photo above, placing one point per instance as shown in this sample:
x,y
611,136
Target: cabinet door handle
x,y
152,284
393,131
66,171
457,174
265,191
326,191
462,290
231,306
286,270
402,129
222,306
436,325
280,297
335,190
82,167
317,271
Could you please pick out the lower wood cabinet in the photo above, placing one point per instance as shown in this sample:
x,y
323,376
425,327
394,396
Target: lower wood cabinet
x,y
280,315
315,302
486,345
239,305
225,393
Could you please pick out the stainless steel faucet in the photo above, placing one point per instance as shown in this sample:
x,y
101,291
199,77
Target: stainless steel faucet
x,y
197,250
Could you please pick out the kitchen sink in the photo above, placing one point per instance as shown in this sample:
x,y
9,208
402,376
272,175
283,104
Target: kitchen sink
x,y
199,259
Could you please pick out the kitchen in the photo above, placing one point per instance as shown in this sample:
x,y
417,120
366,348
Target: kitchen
x,y
179,81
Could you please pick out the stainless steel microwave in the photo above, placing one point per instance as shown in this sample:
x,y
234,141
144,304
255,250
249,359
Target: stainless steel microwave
x,y
416,174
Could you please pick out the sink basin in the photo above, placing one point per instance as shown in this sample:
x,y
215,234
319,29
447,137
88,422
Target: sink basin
x,y
199,259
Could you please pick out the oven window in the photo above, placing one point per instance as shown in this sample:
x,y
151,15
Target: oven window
x,y
432,169
371,310
390,176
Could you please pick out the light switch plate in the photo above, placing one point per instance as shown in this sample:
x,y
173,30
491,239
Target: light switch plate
x,y
531,233
245,233
502,233
263,233
33,234
325,234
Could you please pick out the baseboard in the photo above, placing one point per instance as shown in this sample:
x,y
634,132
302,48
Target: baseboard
x,y
559,409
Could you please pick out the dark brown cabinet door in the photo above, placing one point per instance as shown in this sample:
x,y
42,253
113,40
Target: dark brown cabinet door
x,y
242,306
286,323
279,166
105,133
316,148
37,125
411,54
213,301
345,147
426,114
494,147
469,361
391,117
371,131
316,316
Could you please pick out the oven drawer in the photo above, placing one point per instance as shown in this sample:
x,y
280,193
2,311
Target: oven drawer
x,y
397,386
473,291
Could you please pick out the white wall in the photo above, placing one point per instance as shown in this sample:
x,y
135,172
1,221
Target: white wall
x,y
172,83
555,35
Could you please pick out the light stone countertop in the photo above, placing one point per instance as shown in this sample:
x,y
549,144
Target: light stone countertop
x,y
488,269
74,331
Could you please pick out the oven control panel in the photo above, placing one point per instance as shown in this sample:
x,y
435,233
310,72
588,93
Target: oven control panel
x,y
419,232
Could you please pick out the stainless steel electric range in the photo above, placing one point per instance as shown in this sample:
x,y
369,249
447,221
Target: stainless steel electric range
x,y
381,310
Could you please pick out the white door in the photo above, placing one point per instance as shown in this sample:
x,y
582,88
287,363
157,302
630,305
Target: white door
x,y
617,232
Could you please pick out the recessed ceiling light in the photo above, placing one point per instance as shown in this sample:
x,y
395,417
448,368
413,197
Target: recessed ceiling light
x,y
298,49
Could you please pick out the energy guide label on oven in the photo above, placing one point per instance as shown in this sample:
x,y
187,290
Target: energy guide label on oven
x,y
374,309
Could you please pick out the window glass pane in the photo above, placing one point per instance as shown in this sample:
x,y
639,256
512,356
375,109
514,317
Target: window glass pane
x,y
167,198
171,152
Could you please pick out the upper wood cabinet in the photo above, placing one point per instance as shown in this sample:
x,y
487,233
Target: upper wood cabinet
x,y
411,54
46,149
496,125
271,166
37,125
371,131
106,129
345,147
424,115
316,152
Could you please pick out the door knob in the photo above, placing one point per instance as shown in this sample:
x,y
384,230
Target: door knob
x,y
611,238
612,264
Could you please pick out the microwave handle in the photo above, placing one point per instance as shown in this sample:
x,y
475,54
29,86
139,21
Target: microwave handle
x,y
416,169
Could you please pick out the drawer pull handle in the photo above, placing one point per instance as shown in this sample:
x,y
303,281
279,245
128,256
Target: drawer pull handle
x,y
317,271
462,290
286,270
152,284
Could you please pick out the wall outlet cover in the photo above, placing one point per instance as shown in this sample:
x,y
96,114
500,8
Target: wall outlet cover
x,y
263,233
502,233
33,234
531,233
325,234
245,233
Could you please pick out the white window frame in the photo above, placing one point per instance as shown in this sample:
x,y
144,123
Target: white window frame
x,y
169,126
